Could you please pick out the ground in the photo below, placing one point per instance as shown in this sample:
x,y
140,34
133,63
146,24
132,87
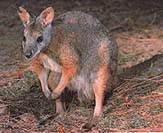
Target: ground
x,y
136,104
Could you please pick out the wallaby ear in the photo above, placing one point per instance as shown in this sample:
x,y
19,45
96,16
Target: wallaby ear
x,y
46,16
24,15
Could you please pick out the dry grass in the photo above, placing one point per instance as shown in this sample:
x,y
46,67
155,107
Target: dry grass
x,y
136,105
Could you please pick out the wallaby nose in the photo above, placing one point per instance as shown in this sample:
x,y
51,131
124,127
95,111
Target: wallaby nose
x,y
28,54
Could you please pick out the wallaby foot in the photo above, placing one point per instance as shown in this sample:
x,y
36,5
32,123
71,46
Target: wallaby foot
x,y
90,124
99,87
59,106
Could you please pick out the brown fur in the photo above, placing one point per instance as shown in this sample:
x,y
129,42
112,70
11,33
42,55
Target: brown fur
x,y
99,87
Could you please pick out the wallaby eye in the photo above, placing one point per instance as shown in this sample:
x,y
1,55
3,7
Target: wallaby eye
x,y
40,39
24,39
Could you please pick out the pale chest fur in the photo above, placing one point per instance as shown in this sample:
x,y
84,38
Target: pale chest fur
x,y
50,63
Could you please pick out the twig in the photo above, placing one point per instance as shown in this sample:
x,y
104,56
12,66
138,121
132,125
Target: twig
x,y
154,19
144,79
49,117
147,130
152,96
117,27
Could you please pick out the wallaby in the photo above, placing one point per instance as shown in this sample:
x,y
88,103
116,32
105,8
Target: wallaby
x,y
77,50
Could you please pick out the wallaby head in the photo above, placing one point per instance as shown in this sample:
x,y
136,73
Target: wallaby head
x,y
37,31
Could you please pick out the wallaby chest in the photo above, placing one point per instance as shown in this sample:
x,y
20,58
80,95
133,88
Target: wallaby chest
x,y
50,63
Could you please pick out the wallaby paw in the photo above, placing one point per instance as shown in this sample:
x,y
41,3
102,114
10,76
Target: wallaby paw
x,y
48,95
87,126
55,95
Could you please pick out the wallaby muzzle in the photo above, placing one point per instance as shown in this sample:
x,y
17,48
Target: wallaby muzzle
x,y
31,52
28,54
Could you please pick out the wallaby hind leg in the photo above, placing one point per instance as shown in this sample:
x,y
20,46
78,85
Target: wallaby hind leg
x,y
99,87
53,81
42,74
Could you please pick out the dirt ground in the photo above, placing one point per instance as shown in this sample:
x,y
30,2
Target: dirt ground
x,y
136,104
